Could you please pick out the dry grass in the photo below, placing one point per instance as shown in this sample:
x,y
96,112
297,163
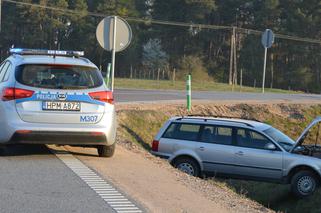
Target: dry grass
x,y
181,85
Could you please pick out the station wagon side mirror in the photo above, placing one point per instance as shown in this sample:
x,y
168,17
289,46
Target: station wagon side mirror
x,y
270,146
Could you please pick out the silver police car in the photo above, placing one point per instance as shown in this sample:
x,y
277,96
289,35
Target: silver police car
x,y
55,97
238,148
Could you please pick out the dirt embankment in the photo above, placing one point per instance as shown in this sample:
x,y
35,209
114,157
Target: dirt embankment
x,y
159,187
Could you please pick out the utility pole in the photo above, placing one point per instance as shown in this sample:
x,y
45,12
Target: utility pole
x,y
241,79
272,70
235,60
0,15
230,80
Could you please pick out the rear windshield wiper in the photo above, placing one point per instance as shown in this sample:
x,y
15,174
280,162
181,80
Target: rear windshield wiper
x,y
73,87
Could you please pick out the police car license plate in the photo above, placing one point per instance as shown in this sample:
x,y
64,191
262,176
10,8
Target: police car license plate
x,y
61,106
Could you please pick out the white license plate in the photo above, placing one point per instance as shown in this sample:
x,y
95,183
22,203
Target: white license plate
x,y
61,106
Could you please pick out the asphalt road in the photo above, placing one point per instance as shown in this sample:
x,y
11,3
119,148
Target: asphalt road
x,y
133,95
33,180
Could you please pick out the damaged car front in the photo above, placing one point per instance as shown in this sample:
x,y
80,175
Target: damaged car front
x,y
308,147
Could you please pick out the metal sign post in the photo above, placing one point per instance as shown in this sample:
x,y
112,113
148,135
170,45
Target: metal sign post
x,y
0,14
108,75
113,54
267,41
264,69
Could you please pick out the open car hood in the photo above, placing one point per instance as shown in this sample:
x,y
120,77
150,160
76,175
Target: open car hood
x,y
301,138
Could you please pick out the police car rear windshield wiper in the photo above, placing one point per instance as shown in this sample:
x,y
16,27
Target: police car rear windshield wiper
x,y
73,87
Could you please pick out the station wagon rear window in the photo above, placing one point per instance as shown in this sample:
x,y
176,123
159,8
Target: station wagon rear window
x,y
182,131
58,76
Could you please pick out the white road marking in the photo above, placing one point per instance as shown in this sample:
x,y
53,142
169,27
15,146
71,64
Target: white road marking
x,y
107,192
120,205
130,211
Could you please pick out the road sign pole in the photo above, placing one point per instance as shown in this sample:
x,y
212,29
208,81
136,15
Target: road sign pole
x,y
108,75
113,54
264,69
189,92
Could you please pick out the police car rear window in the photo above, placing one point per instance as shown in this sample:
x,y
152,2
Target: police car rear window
x,y
58,76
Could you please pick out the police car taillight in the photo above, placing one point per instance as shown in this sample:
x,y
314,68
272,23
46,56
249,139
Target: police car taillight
x,y
104,96
12,93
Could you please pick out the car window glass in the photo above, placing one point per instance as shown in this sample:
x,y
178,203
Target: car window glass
x,y
57,76
251,139
2,65
170,131
183,131
217,135
6,73
3,70
256,136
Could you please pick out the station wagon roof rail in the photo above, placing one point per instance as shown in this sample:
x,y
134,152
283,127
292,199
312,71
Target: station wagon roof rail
x,y
222,116
214,119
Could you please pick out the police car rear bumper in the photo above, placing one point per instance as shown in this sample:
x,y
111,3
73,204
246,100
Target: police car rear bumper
x,y
59,138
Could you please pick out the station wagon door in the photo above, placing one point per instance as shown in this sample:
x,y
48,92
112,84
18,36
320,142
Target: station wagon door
x,y
215,149
253,159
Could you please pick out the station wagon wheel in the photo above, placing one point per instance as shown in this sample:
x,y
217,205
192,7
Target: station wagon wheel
x,y
303,184
188,166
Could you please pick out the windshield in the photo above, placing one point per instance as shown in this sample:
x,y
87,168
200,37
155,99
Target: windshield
x,y
58,76
285,141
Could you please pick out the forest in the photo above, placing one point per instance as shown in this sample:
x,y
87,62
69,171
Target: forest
x,y
214,40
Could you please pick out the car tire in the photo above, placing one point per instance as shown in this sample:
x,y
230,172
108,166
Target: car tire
x,y
187,165
304,184
106,151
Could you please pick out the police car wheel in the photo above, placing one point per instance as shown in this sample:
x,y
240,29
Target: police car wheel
x,y
106,151
3,150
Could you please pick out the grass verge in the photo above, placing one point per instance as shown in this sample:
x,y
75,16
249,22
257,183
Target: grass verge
x,y
181,85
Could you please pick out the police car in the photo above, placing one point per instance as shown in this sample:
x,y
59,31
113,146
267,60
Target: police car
x,y
55,97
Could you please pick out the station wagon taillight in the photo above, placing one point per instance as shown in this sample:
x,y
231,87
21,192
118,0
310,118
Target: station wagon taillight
x,y
155,145
104,96
12,93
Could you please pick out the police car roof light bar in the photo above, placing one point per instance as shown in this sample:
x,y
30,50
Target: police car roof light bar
x,y
70,53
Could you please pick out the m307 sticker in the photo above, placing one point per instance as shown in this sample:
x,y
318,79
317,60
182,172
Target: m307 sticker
x,y
89,118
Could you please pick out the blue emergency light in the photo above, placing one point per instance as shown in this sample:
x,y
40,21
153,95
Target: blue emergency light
x,y
70,53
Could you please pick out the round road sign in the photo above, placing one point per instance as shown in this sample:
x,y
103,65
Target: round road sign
x,y
105,33
267,38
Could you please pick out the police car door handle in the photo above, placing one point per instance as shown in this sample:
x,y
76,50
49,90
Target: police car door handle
x,y
201,148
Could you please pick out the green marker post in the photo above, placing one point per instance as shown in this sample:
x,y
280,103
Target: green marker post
x,y
189,92
108,75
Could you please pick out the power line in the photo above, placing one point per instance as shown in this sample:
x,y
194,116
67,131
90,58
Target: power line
x,y
169,23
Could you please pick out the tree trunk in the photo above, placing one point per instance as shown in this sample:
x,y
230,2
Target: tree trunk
x,y
174,73
158,72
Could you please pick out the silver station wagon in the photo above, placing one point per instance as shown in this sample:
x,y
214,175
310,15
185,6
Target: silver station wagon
x,y
238,148
55,97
